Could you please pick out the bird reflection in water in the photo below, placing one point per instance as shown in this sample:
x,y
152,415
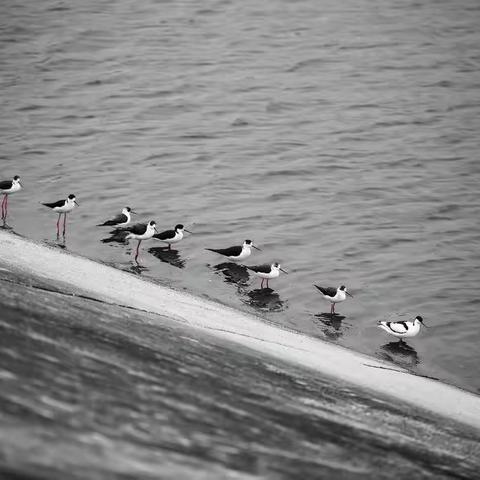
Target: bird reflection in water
x,y
265,299
165,255
399,353
332,325
233,273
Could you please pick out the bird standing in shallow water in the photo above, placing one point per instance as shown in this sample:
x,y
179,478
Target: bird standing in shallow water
x,y
334,295
8,187
266,272
172,236
62,206
140,231
237,253
121,220
402,330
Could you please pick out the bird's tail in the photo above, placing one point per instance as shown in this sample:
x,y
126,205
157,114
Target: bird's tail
x,y
212,250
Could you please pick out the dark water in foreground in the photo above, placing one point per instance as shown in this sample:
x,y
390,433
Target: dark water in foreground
x,y
90,390
341,136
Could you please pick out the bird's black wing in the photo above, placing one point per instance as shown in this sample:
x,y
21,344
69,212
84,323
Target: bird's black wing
x,y
121,218
166,235
228,252
6,185
260,268
329,291
60,203
137,228
133,228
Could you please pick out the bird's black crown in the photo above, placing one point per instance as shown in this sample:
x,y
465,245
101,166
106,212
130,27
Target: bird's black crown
x,y
71,196
419,318
248,242
128,209
16,177
179,227
152,223
343,287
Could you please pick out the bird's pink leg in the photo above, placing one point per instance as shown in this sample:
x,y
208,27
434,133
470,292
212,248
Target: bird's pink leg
x,y
64,223
6,207
138,246
3,206
261,284
58,224
267,282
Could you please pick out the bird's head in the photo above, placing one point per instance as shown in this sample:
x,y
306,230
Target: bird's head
x,y
249,244
180,228
71,199
277,266
343,288
419,319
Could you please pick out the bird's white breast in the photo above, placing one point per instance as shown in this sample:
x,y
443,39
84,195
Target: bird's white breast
x,y
67,207
16,187
245,253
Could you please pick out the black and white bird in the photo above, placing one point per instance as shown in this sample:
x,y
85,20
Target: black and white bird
x,y
7,187
62,206
266,272
334,295
409,328
172,236
237,253
121,220
140,232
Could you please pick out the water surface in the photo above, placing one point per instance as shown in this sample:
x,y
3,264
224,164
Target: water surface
x,y
341,137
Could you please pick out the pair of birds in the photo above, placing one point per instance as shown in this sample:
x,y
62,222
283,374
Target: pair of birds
x,y
401,330
7,187
124,230
239,253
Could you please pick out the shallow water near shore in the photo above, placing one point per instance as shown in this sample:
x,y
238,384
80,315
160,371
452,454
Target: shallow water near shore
x,y
341,137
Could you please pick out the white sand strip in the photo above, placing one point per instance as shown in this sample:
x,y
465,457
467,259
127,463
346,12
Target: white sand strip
x,y
115,286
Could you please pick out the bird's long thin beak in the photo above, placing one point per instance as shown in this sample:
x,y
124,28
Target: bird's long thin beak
x,y
135,213
155,228
187,230
284,271
425,325
349,294
256,248
21,184
76,203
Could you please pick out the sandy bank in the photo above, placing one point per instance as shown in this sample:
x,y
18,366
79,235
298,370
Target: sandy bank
x,y
114,286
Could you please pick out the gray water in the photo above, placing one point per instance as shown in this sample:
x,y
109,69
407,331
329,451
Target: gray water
x,y
342,137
